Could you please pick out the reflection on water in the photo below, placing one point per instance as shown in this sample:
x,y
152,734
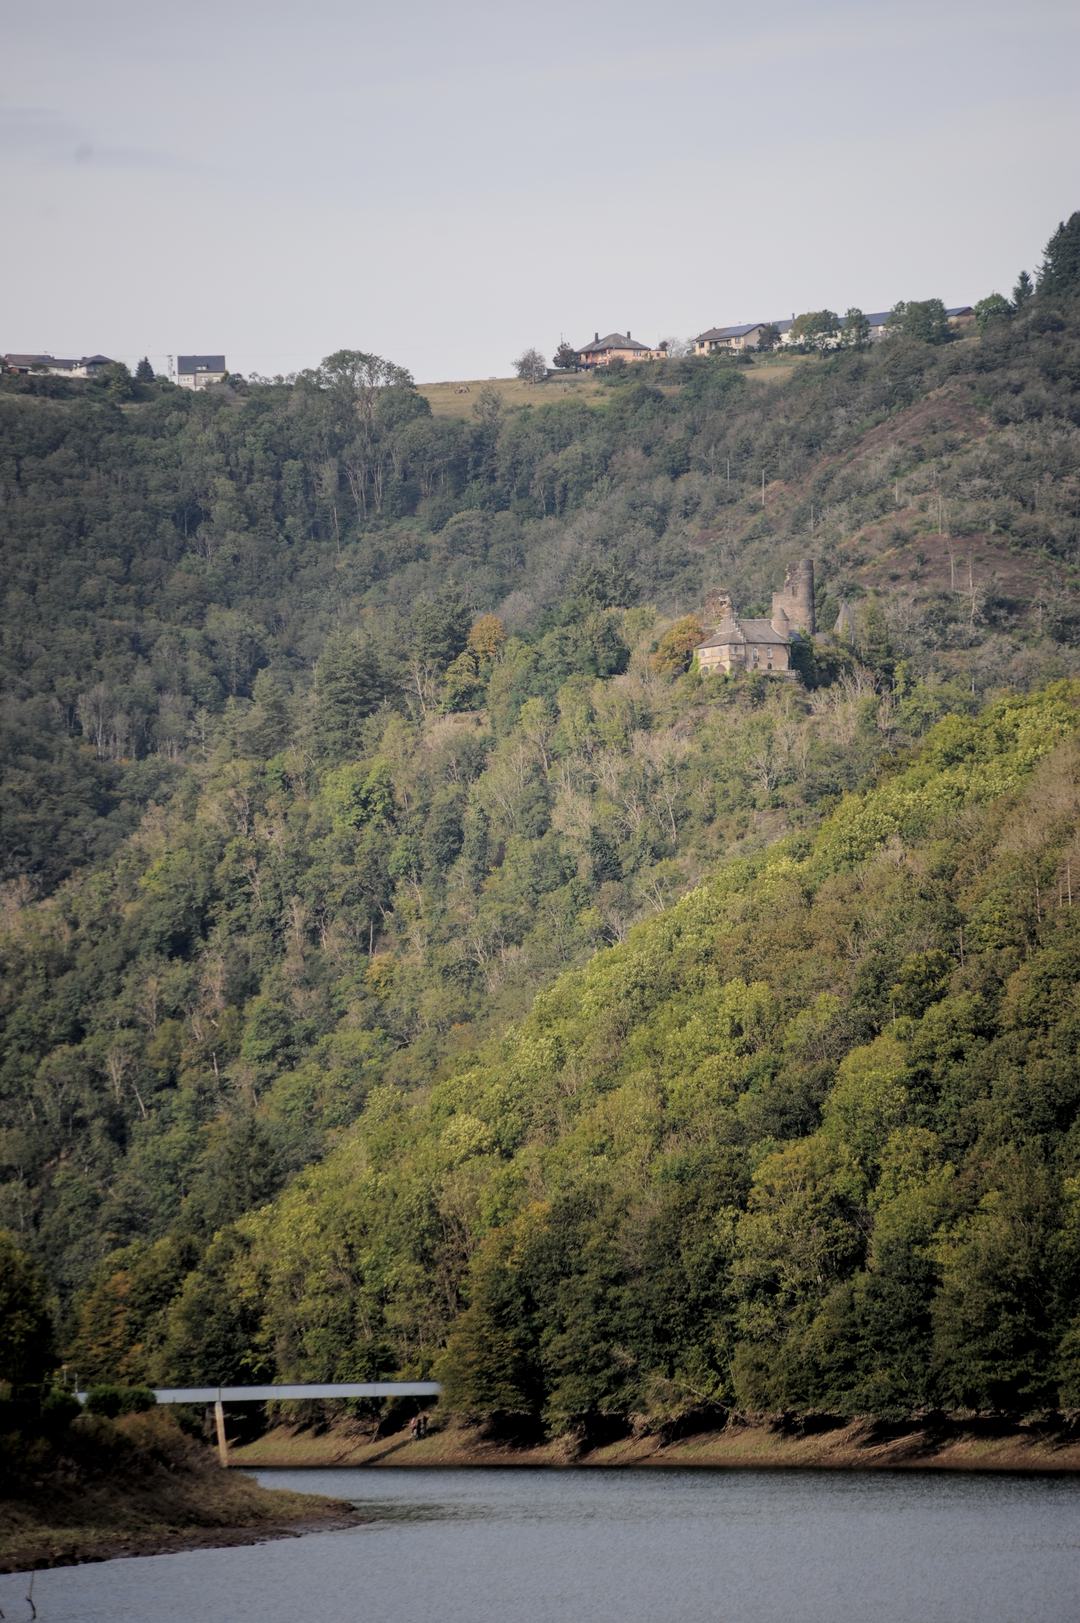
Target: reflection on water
x,y
516,1546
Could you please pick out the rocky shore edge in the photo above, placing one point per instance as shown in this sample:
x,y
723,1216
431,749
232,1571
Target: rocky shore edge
x,y
815,1442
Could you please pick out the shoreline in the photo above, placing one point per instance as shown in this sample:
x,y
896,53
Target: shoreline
x,y
139,1486
252,1513
857,1445
76,1547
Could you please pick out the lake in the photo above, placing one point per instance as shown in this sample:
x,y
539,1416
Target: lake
x,y
581,1546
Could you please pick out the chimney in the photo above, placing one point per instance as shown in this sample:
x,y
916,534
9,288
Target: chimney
x,y
628,332
596,338
780,622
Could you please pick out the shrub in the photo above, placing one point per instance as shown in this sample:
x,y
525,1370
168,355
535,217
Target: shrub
x,y
112,1401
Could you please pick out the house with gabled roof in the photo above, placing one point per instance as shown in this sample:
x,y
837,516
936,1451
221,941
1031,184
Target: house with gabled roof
x,y
729,340
199,371
617,346
88,366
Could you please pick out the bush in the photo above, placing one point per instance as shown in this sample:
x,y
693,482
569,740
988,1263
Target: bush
x,y
112,1401
58,1410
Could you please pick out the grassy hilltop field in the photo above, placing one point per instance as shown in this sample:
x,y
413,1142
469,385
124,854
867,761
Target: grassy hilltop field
x,y
414,966
458,397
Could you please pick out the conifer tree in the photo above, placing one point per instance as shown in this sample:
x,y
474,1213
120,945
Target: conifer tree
x,y
1060,271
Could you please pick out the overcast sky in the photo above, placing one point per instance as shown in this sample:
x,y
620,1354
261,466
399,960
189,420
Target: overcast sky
x,y
448,183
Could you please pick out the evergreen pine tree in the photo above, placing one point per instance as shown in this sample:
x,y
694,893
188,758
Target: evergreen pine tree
x,y
1060,271
348,687
1024,290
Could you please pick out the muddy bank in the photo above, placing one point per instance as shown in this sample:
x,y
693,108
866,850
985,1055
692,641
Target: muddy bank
x,y
141,1488
818,1443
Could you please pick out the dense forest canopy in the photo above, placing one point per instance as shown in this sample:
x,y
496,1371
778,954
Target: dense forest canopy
x,y
411,963
163,551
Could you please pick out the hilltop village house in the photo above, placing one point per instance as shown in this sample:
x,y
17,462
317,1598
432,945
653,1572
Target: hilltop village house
x,y
729,340
740,644
199,371
617,346
734,340
50,365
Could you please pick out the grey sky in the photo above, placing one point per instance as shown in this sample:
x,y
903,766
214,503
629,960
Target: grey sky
x,y
448,183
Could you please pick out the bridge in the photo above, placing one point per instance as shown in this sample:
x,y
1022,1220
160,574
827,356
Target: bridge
x,y
220,1395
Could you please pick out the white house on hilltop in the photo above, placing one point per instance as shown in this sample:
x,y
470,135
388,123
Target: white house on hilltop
x,y
199,371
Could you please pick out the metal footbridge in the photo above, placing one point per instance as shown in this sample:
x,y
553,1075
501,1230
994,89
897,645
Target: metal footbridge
x,y
220,1395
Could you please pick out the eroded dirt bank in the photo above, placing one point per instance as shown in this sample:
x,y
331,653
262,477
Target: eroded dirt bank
x,y
948,1445
141,1488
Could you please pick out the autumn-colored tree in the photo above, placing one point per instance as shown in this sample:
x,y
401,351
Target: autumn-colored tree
x,y
487,638
675,649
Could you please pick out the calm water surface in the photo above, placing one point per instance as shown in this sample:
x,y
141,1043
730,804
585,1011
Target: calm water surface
x,y
595,1547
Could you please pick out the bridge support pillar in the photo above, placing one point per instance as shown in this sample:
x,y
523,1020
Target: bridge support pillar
x,y
222,1440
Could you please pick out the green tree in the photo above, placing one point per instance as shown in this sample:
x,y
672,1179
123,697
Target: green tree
x,y
488,407
144,372
530,366
991,1335
565,357
768,337
991,310
118,382
816,329
349,685
1059,272
440,629
26,1336
1024,291
855,333
354,378
923,320
266,727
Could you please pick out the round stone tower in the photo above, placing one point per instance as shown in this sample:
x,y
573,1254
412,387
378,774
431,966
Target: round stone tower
x,y
796,597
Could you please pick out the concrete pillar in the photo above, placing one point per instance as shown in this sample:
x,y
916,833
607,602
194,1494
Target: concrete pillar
x,y
222,1440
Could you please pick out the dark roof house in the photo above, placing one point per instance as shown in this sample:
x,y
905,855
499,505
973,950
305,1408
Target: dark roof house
x,y
85,367
197,371
614,340
723,335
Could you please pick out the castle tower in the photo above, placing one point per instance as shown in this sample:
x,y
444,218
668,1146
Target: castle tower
x,y
796,597
718,607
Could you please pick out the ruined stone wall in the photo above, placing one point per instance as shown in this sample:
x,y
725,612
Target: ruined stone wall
x,y
718,606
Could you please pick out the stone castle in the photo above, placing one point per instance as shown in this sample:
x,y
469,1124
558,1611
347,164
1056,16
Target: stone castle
x,y
736,643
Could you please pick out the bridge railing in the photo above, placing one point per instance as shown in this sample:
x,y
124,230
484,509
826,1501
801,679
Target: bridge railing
x,y
283,1393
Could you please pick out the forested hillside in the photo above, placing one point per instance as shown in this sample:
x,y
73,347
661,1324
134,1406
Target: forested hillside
x,y
411,962
162,552
808,1138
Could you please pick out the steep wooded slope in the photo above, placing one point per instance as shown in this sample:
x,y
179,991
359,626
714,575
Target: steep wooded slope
x,y
160,553
806,1139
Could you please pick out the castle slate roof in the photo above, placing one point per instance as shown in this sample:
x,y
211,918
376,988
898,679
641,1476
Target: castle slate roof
x,y
188,364
734,629
614,340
